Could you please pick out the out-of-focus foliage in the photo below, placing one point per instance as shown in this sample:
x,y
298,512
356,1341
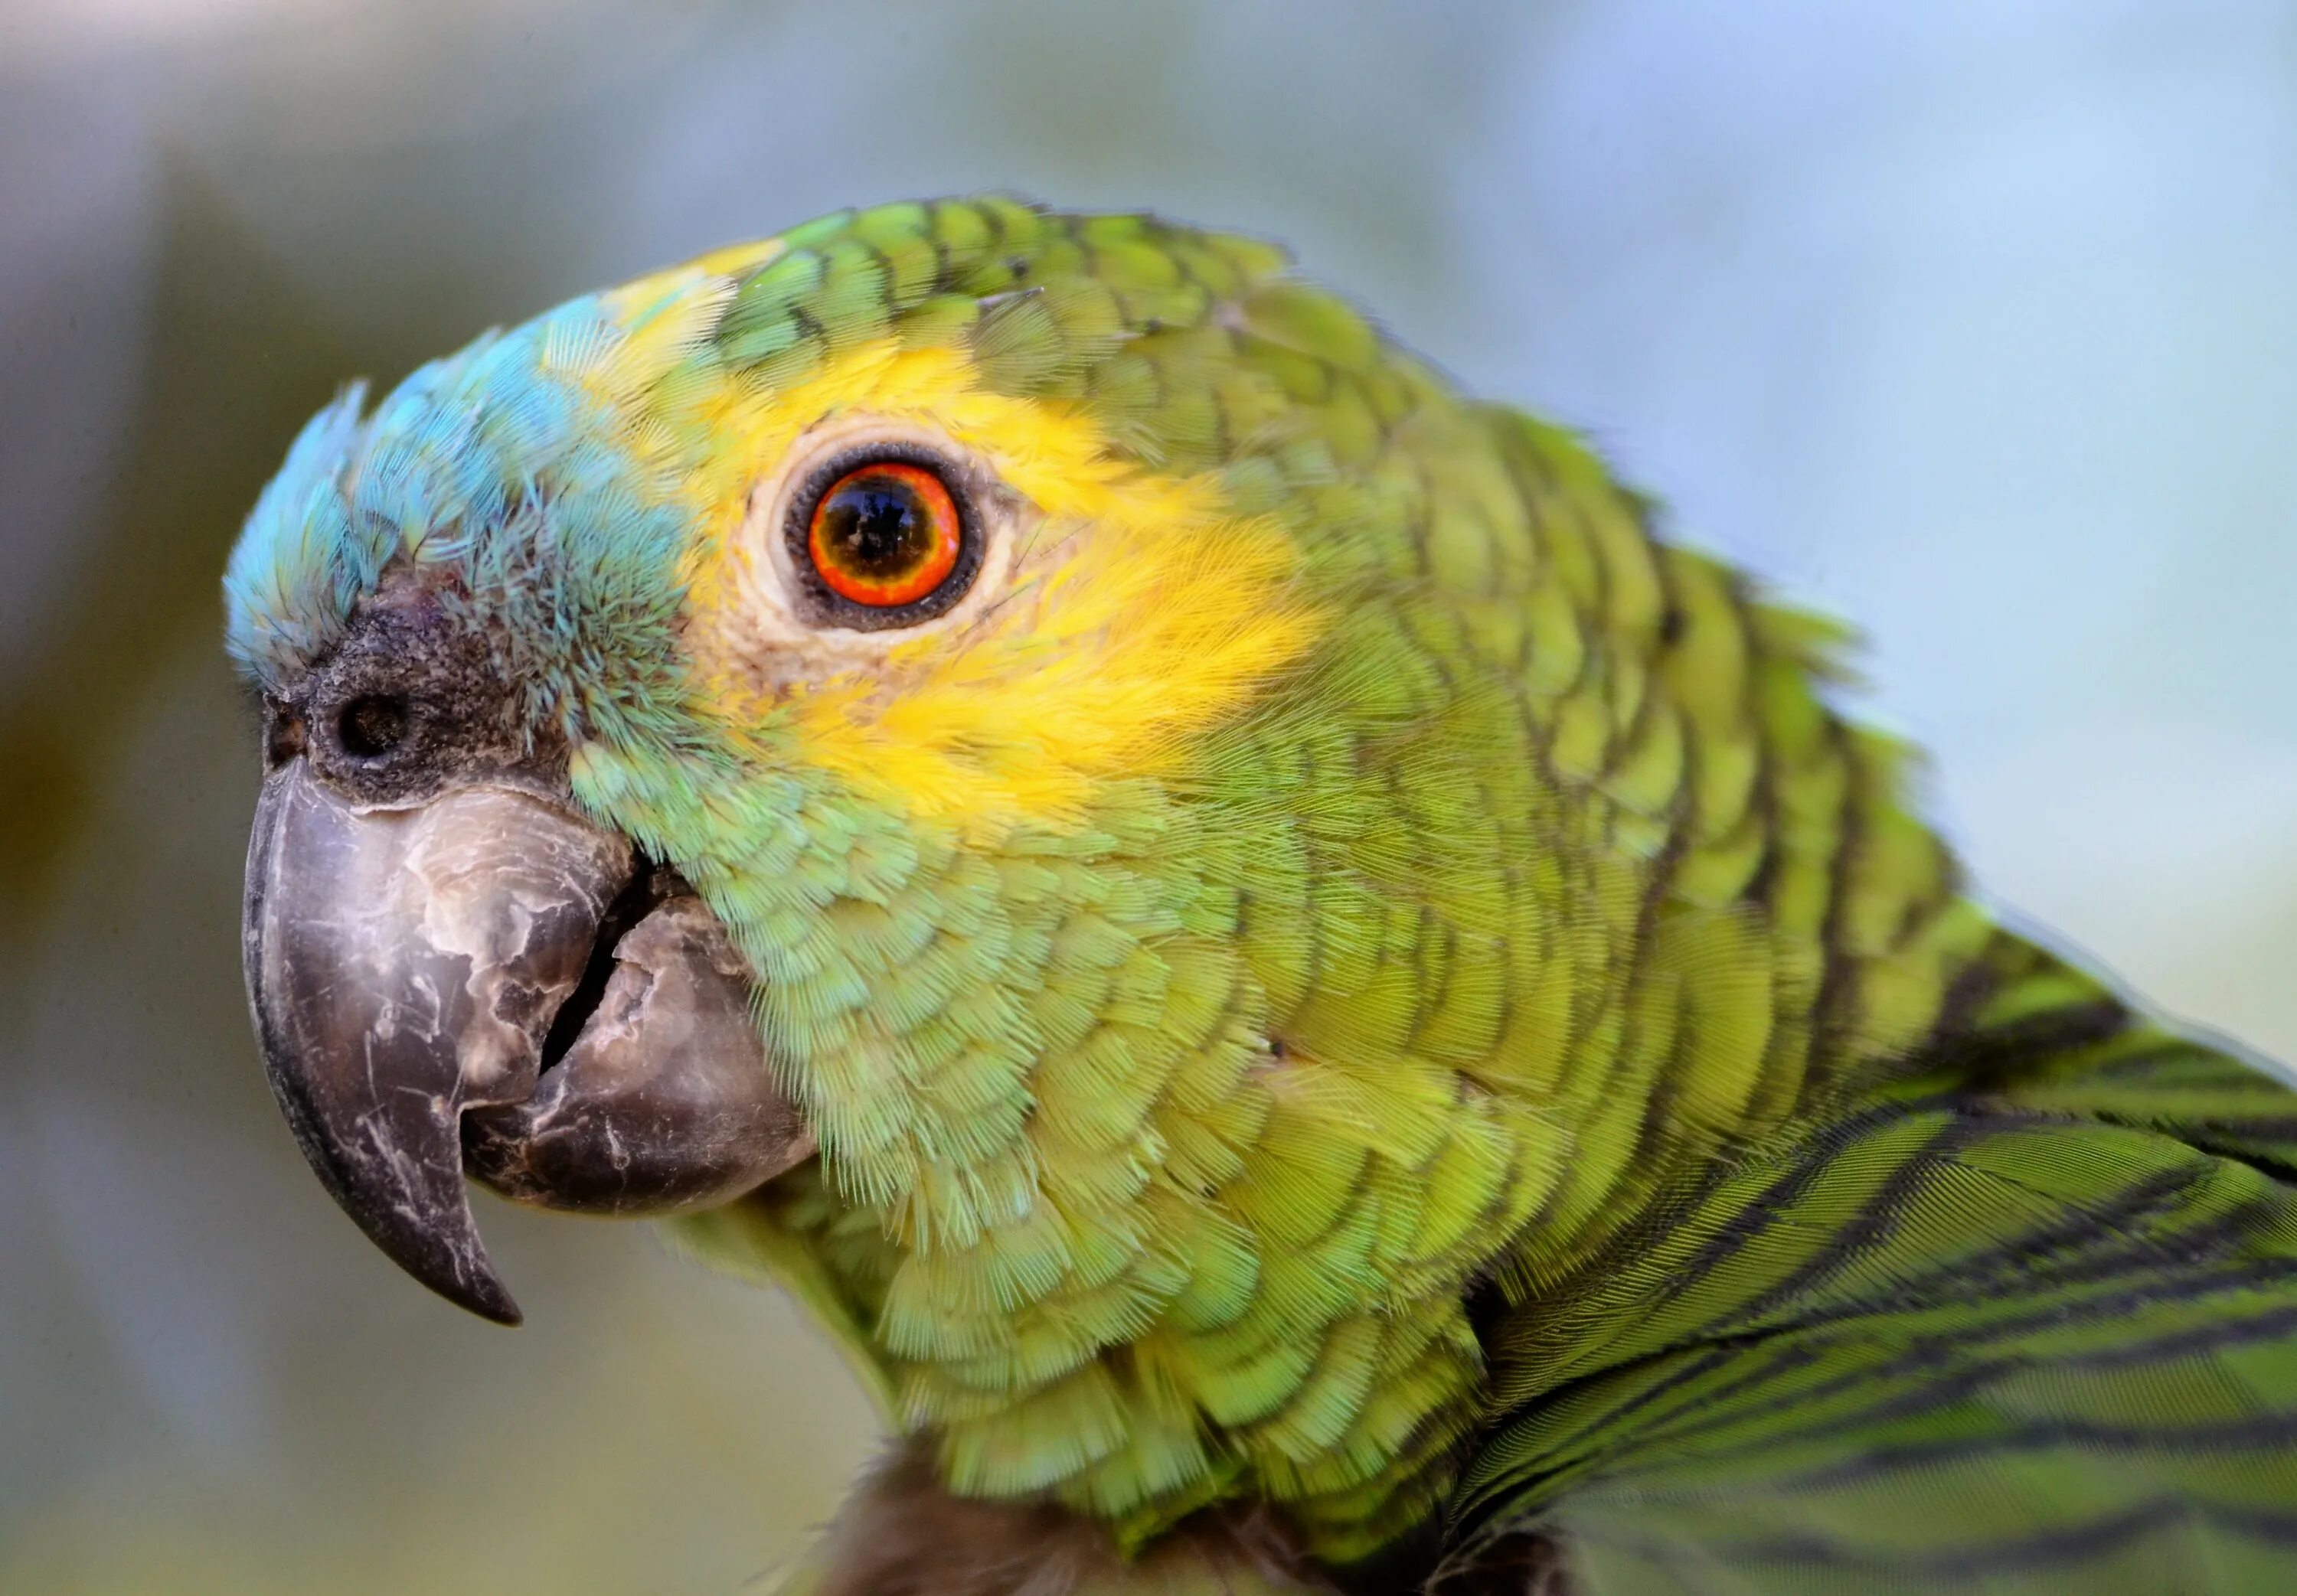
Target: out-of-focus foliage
x,y
1972,325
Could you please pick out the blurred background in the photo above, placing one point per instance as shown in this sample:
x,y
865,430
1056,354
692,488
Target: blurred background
x,y
1975,323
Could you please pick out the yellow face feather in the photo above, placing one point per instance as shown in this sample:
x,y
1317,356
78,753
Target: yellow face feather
x,y
1134,609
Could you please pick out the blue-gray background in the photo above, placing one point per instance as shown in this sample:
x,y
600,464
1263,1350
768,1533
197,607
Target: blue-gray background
x,y
1975,323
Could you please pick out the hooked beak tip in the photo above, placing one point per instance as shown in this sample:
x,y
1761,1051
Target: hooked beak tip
x,y
395,1183
488,1299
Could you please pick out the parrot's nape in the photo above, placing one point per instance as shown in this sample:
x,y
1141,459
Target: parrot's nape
x,y
1316,1007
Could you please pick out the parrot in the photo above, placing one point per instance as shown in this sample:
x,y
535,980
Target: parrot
x,y
1312,1001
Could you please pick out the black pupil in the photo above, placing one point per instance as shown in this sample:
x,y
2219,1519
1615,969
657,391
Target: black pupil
x,y
875,527
373,725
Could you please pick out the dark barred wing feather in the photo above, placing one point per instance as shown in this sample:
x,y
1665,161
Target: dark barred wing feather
x,y
2034,1332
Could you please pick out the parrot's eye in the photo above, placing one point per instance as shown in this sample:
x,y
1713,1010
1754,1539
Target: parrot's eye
x,y
885,539
885,535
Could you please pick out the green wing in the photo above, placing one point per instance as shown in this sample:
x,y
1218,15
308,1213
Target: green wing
x,y
2037,1332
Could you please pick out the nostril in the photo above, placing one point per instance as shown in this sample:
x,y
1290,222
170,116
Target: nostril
x,y
372,725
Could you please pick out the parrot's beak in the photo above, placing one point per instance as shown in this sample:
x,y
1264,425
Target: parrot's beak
x,y
485,979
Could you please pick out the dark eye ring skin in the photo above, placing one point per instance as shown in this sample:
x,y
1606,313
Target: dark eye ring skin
x,y
884,536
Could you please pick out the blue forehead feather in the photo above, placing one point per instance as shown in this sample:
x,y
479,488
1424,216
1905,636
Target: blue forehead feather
x,y
500,468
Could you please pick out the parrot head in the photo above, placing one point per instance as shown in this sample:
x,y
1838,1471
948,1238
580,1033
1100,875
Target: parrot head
x,y
702,723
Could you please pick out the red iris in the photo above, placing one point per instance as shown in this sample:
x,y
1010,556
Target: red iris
x,y
885,535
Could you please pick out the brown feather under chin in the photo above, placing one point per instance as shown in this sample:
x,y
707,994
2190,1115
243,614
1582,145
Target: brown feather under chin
x,y
903,1534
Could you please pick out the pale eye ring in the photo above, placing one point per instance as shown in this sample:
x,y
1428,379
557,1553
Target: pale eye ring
x,y
883,535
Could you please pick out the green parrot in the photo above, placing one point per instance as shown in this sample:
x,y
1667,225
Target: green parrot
x,y
1315,1006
